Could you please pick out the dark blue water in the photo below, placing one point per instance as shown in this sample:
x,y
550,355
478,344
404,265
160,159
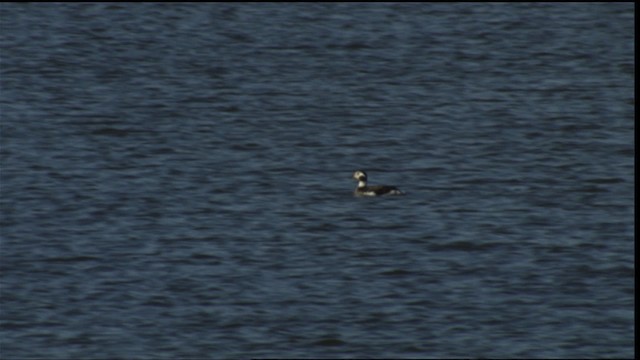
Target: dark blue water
x,y
176,180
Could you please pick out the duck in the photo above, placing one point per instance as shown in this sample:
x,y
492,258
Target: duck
x,y
372,190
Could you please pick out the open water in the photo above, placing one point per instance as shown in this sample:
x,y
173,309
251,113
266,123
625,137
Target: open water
x,y
176,180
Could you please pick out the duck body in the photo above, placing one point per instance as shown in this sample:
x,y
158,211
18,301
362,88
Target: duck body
x,y
372,190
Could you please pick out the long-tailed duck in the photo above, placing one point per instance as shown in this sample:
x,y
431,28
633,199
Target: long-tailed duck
x,y
373,190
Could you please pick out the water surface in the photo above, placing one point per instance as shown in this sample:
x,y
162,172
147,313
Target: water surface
x,y
175,181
